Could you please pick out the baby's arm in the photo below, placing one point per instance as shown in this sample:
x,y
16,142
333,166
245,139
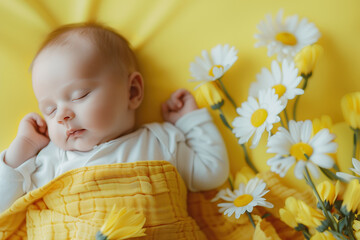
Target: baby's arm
x,y
202,158
32,136
30,139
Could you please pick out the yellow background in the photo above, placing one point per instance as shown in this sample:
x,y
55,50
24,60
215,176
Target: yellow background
x,y
168,34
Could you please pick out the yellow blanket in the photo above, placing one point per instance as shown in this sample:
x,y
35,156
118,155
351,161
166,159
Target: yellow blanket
x,y
75,205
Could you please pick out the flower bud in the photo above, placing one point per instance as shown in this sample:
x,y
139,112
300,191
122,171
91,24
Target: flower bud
x,y
350,105
307,58
209,94
327,191
352,196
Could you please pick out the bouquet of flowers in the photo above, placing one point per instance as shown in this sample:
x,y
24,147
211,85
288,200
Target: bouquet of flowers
x,y
332,212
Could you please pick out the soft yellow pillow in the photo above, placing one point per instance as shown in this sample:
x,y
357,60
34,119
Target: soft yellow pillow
x,y
167,35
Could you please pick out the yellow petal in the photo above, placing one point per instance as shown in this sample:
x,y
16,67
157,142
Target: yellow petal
x,y
208,94
328,191
350,105
123,223
320,123
309,216
352,196
265,230
307,58
126,232
288,217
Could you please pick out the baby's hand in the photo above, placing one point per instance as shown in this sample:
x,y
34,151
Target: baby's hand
x,y
180,103
34,129
32,136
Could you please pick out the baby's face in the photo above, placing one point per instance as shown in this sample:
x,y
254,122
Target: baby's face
x,y
84,102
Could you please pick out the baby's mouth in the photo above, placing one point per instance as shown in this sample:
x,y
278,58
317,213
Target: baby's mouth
x,y
74,133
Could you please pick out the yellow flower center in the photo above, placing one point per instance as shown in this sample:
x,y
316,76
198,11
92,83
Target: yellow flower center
x,y
243,200
279,90
286,38
299,150
259,117
211,71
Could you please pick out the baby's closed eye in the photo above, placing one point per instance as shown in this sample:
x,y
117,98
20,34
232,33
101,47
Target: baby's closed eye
x,y
80,95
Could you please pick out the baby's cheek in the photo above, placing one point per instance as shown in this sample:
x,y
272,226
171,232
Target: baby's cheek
x,y
99,116
55,135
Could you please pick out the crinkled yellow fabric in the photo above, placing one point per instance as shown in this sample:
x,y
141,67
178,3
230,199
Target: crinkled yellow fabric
x,y
75,205
217,226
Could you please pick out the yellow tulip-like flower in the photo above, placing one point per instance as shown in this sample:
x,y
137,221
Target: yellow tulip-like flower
x,y
309,216
307,58
289,213
209,94
322,236
352,196
297,211
320,123
122,224
350,105
328,192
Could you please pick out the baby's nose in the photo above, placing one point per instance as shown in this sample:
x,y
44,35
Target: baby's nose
x,y
65,115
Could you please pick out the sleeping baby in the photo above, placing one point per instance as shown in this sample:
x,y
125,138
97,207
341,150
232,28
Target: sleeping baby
x,y
88,87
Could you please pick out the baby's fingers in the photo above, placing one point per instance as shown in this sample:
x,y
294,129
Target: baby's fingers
x,y
37,121
172,104
177,97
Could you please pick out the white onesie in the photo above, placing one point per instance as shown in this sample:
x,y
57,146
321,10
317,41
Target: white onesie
x,y
194,146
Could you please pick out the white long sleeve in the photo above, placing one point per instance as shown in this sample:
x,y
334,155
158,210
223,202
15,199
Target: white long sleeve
x,y
199,153
11,183
210,164
194,146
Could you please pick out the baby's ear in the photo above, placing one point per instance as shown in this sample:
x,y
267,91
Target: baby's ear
x,y
136,88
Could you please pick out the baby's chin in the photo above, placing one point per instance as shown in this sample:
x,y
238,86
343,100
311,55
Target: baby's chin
x,y
78,146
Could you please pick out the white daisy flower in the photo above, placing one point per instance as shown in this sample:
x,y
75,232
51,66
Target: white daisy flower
x,y
286,38
211,68
256,116
356,170
245,198
284,80
292,147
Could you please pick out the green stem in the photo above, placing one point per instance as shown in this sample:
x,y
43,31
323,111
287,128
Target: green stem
x,y
306,234
226,93
100,236
338,236
231,184
330,175
336,167
306,78
223,119
247,159
251,219
356,140
354,145
286,117
308,179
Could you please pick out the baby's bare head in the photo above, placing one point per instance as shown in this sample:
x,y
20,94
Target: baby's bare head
x,y
87,85
113,48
